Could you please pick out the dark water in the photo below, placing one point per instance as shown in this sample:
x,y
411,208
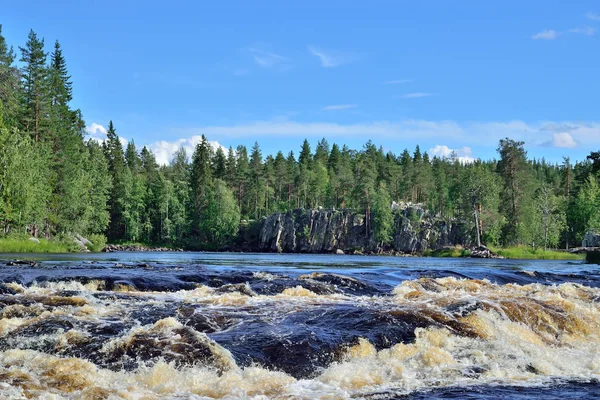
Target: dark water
x,y
194,325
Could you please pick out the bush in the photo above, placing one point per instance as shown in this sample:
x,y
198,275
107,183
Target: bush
x,y
11,245
98,242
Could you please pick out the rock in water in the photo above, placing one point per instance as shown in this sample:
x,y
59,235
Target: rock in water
x,y
483,252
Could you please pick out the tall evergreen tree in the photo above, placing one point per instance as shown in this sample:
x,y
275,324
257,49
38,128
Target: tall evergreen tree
x,y
201,180
35,85
517,191
9,78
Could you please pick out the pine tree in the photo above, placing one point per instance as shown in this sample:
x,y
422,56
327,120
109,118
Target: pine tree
x,y
383,217
132,158
257,182
201,180
64,135
517,191
219,162
179,210
35,86
322,152
118,204
9,78
98,189
242,181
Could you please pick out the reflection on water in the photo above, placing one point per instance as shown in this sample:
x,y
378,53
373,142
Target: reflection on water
x,y
192,325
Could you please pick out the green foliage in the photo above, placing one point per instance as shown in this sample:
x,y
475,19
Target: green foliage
x,y
587,207
448,252
12,245
517,191
383,216
53,183
220,218
98,242
527,253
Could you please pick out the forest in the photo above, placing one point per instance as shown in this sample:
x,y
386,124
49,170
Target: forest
x,y
55,182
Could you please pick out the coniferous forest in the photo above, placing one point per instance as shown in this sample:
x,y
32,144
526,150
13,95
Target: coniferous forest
x,y
55,182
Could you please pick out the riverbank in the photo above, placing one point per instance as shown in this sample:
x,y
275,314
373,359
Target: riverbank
x,y
10,245
511,253
68,244
33,246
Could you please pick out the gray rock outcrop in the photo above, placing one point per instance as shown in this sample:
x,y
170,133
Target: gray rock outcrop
x,y
327,231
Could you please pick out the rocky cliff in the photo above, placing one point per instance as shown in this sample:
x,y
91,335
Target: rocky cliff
x,y
328,231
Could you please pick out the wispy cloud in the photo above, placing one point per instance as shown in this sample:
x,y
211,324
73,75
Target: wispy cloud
x,y
561,140
548,34
561,134
399,81
266,59
415,95
584,30
593,16
330,59
336,107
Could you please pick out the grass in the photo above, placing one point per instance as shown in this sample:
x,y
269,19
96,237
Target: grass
x,y
515,253
9,245
526,253
454,252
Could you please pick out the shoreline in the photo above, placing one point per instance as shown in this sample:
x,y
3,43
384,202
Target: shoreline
x,y
510,253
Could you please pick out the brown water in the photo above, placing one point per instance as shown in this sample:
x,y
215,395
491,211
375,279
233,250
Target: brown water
x,y
203,326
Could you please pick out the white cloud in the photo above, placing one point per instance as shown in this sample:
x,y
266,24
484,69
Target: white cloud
x,y
416,95
563,134
331,59
266,59
164,150
548,34
468,132
337,107
593,16
563,140
98,132
464,154
399,81
584,30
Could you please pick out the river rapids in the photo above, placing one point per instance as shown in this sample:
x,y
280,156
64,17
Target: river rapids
x,y
193,326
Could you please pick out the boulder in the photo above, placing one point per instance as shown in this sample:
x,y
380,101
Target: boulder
x,y
483,252
591,239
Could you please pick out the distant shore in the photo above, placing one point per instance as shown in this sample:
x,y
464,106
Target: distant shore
x,y
57,247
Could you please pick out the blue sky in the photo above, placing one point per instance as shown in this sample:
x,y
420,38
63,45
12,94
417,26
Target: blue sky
x,y
442,74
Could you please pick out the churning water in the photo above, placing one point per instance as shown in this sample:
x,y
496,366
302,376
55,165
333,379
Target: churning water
x,y
203,326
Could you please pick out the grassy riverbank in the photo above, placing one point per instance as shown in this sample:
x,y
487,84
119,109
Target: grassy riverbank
x,y
65,245
8,245
526,253
514,253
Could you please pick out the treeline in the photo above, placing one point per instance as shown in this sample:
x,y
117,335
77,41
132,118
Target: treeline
x,y
54,182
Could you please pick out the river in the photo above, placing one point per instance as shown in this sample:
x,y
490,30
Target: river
x,y
262,326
